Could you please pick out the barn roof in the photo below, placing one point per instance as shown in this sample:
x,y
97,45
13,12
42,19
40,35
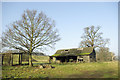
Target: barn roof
x,y
74,51
12,52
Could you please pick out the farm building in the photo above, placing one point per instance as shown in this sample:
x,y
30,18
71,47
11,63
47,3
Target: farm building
x,y
14,57
86,54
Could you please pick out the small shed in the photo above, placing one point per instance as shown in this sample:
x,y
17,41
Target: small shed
x,y
86,54
14,58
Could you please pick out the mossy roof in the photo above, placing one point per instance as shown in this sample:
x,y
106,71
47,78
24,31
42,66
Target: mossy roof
x,y
74,51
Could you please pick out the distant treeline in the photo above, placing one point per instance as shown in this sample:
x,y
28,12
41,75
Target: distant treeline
x,y
103,54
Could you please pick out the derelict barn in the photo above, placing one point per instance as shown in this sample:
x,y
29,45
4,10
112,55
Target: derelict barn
x,y
86,54
15,58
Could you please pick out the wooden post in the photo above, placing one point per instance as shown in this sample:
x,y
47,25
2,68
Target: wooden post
x,y
77,58
49,59
11,59
21,60
54,59
28,58
88,58
2,58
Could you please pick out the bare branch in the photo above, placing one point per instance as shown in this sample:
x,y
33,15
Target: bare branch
x,y
93,38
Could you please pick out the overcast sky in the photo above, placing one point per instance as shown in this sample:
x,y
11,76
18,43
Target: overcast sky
x,y
71,18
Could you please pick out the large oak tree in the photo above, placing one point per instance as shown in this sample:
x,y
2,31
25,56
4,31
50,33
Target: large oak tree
x,y
93,38
30,33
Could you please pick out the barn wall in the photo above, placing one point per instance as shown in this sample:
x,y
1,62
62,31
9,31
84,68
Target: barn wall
x,y
54,59
86,59
67,59
83,58
79,58
6,59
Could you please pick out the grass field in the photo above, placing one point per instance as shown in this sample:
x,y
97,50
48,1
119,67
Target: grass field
x,y
64,70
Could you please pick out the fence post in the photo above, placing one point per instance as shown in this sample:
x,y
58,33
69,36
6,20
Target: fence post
x,y
21,58
11,59
2,58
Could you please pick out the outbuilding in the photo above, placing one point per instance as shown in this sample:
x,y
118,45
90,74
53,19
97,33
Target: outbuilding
x,y
86,54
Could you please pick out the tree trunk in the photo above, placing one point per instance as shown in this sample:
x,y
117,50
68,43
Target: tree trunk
x,y
30,60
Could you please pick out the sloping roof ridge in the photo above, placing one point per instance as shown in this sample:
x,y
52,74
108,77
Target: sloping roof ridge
x,y
65,49
75,48
69,48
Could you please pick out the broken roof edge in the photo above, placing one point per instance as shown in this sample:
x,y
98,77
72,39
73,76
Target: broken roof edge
x,y
85,51
72,48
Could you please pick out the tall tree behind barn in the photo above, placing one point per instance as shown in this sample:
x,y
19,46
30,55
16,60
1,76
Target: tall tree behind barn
x,y
93,38
30,33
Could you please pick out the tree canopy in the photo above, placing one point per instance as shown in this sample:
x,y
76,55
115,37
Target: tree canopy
x,y
103,54
93,38
30,33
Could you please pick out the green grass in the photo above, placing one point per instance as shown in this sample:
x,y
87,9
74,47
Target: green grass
x,y
43,59
63,70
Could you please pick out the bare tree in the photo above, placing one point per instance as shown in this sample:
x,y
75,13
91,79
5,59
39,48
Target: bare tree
x,y
30,33
103,54
93,38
